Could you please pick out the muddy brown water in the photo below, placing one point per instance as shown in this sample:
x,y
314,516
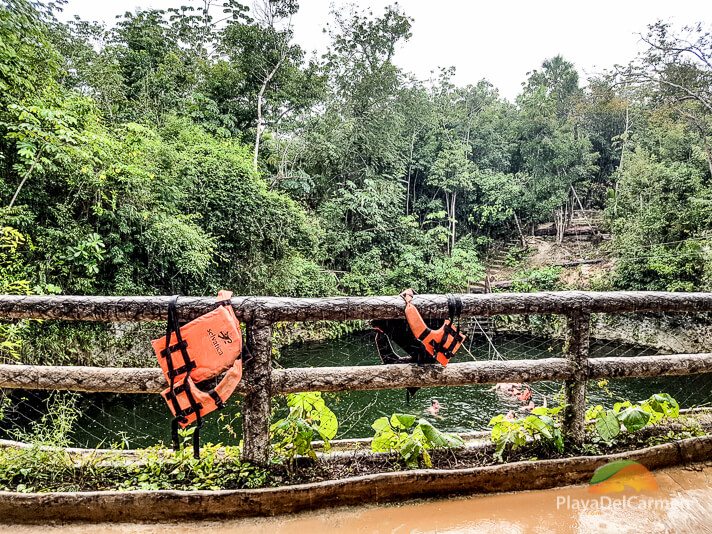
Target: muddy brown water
x,y
682,504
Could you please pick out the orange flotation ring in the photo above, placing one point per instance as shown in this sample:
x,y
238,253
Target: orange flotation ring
x,y
442,343
197,351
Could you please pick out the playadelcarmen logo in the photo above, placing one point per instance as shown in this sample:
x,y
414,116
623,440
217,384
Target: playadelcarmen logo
x,y
616,485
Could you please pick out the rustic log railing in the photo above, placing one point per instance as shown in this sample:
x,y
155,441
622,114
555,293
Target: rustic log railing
x,y
262,382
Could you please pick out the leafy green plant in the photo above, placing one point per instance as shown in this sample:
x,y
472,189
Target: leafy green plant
x,y
626,416
308,416
411,438
13,280
543,426
537,279
217,468
515,256
56,425
40,469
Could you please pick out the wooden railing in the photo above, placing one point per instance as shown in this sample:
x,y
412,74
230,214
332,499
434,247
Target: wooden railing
x,y
261,381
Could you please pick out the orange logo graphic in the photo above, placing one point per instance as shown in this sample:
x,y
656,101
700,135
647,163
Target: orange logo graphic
x,y
616,477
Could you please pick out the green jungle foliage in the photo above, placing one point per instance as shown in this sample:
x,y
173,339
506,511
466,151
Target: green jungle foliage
x,y
185,150
629,417
41,469
543,427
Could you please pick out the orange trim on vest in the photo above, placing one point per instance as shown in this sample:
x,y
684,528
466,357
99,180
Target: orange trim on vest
x,y
441,343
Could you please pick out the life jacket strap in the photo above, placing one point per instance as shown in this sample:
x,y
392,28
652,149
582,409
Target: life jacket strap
x,y
194,406
425,333
449,342
174,326
174,348
216,398
454,308
183,369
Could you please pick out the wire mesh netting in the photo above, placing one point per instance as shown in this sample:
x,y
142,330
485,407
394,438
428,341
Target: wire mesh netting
x,y
132,421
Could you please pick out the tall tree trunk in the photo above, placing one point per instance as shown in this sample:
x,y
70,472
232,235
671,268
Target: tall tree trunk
x,y
410,167
522,239
452,221
448,202
260,99
24,178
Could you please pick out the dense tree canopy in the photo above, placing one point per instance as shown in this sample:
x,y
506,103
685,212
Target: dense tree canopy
x,y
195,148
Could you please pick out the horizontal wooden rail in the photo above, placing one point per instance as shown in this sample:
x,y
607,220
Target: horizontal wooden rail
x,y
150,380
482,372
407,375
274,309
86,379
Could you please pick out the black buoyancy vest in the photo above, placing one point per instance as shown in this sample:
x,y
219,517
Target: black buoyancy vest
x,y
398,331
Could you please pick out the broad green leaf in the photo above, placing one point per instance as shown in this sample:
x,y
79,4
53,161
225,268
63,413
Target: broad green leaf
x,y
496,419
408,449
663,403
594,411
328,424
431,434
536,425
607,426
381,424
620,406
382,443
634,418
452,440
402,420
542,410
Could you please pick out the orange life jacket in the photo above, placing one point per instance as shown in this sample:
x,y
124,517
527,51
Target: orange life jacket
x,y
197,351
442,343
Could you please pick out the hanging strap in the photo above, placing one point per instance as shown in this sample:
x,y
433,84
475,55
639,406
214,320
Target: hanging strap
x,y
181,345
173,326
454,308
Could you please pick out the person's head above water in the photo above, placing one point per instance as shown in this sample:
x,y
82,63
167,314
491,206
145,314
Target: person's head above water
x,y
434,402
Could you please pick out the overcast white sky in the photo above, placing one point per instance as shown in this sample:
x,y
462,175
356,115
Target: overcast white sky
x,y
500,40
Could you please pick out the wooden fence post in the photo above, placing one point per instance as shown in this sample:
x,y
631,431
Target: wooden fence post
x,y
579,328
257,405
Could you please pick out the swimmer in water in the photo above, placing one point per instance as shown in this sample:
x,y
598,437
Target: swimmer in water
x,y
525,394
434,408
506,388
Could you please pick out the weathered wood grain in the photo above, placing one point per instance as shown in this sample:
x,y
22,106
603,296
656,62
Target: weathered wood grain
x,y
577,345
408,375
150,380
83,379
257,405
132,309
649,366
